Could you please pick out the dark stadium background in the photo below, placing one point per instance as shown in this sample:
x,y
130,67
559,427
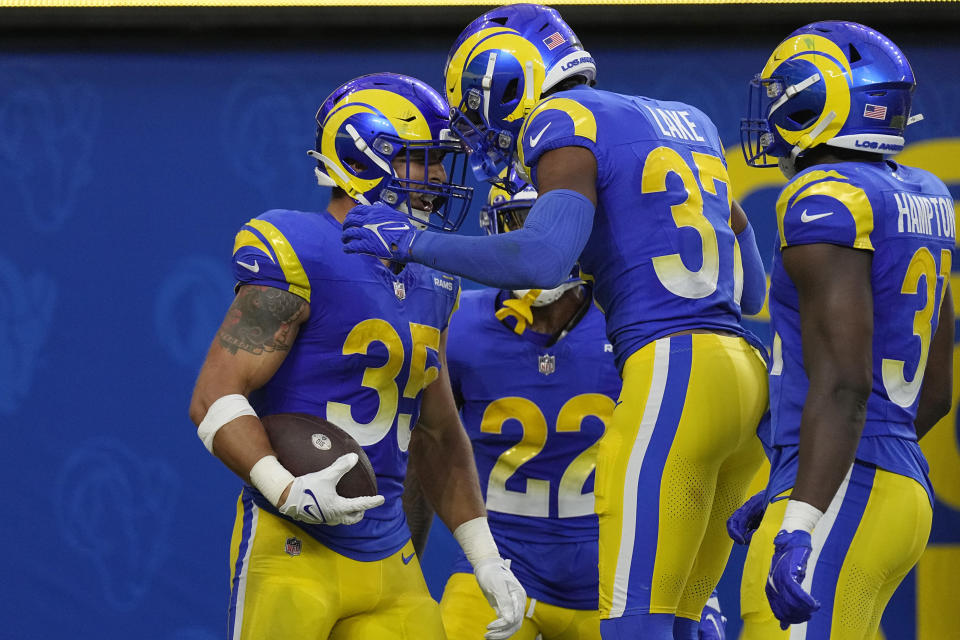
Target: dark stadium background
x,y
134,143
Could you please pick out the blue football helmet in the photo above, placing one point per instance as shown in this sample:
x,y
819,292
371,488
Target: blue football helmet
x,y
508,203
505,211
836,83
497,71
369,133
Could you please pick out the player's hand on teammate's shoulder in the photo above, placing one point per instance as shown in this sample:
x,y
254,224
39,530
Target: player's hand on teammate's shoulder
x,y
504,593
313,497
746,519
378,230
790,603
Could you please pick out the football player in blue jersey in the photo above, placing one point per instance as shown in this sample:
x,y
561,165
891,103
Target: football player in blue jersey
x,y
636,189
534,376
862,321
360,342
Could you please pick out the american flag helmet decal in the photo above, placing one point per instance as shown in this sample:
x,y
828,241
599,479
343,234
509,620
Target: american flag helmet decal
x,y
875,111
554,40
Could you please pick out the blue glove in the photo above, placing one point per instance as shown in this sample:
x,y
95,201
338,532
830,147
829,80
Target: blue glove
x,y
790,603
713,624
746,519
380,231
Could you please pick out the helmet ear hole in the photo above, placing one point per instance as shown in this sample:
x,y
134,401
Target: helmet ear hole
x,y
854,55
510,92
802,118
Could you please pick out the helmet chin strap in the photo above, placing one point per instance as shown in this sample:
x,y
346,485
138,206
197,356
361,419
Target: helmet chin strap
x,y
808,140
487,83
365,149
791,91
520,308
326,181
528,82
788,166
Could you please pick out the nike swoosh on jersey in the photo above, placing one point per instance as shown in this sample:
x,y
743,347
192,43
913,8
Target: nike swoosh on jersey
x,y
407,559
808,218
255,267
536,139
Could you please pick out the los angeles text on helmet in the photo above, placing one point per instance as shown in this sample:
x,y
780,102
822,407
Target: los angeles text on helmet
x,y
873,145
572,63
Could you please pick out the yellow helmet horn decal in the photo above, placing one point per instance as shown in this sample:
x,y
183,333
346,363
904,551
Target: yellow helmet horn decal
x,y
344,177
498,39
458,62
406,119
834,67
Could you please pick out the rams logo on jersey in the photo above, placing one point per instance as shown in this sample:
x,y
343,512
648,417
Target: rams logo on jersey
x,y
443,283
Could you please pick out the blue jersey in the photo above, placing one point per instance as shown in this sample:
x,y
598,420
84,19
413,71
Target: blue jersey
x,y
360,360
662,253
904,216
534,412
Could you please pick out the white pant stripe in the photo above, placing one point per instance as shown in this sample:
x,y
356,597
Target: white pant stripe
x,y
533,605
817,540
651,411
242,578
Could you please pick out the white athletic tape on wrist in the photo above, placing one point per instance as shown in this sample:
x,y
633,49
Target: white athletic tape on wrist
x,y
800,516
222,411
270,478
476,540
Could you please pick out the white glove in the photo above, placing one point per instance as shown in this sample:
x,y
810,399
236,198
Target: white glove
x,y
504,593
313,497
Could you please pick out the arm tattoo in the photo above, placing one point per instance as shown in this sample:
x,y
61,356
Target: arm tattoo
x,y
261,320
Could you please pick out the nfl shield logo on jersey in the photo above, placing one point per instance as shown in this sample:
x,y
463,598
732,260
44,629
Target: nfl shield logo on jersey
x,y
399,290
293,546
547,364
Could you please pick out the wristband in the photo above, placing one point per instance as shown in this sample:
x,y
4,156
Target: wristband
x,y
800,516
270,478
476,540
222,411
